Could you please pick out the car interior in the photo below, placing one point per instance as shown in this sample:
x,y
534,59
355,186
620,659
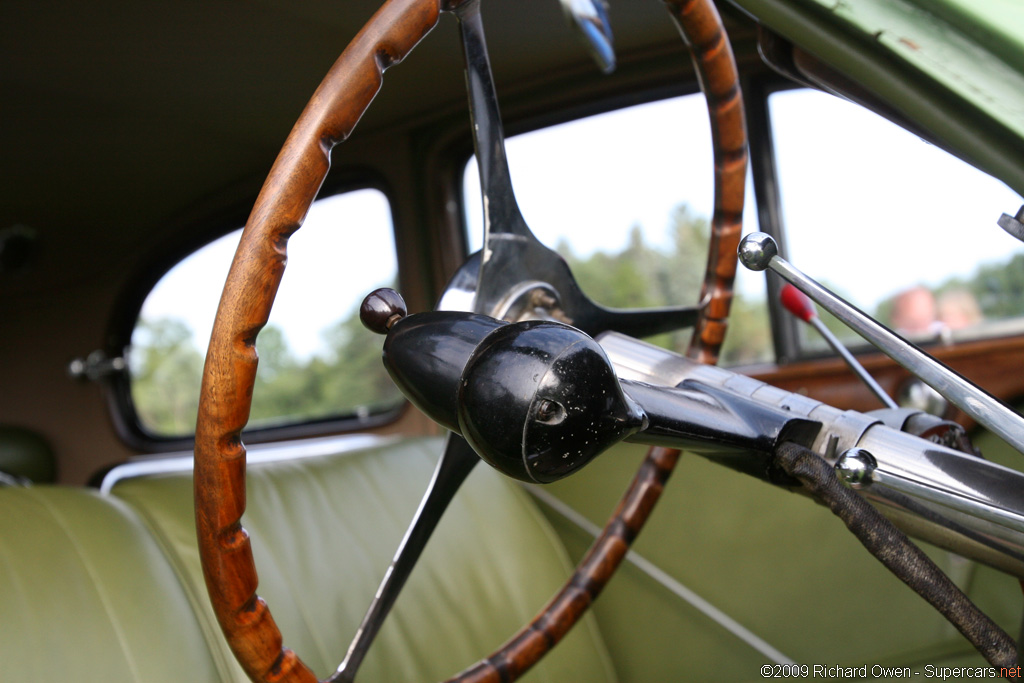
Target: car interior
x,y
277,276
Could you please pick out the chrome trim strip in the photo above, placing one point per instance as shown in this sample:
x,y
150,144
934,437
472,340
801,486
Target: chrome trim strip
x,y
257,453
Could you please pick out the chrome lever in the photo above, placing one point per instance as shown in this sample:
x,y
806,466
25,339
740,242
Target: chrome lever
x,y
758,251
590,19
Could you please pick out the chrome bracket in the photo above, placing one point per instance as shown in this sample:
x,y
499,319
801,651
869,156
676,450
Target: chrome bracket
x,y
95,366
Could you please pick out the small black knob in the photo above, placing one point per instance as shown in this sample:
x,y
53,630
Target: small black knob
x,y
381,309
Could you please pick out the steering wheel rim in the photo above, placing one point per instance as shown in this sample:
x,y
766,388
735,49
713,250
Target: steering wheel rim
x,y
258,265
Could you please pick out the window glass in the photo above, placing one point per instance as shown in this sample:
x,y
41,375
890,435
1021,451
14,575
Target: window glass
x,y
316,359
898,227
626,197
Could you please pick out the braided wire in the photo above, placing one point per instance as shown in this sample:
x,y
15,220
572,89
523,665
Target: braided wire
x,y
892,548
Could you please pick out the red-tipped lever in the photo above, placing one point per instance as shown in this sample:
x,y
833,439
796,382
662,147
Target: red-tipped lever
x,y
797,303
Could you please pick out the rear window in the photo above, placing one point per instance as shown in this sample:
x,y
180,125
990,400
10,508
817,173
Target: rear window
x,y
317,362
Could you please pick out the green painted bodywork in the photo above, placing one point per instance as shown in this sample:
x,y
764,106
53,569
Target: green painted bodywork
x,y
954,68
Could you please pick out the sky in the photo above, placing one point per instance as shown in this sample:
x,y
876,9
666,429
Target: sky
x,y
881,209
867,206
344,251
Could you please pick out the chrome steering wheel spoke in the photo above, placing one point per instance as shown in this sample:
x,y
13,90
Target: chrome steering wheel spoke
x,y
516,276
455,464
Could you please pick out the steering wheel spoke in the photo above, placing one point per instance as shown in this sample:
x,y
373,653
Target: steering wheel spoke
x,y
456,462
517,276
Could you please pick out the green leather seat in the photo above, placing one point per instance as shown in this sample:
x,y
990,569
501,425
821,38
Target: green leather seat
x,y
110,588
87,594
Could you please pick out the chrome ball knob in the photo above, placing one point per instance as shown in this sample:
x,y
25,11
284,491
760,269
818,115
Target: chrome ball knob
x,y
856,468
757,250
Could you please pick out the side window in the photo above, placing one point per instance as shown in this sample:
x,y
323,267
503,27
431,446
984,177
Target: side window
x,y
316,360
900,228
626,197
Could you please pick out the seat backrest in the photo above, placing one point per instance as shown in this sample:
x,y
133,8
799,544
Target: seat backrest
x,y
87,594
108,587
324,530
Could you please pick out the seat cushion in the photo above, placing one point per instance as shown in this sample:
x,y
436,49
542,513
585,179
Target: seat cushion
x,y
323,531
86,593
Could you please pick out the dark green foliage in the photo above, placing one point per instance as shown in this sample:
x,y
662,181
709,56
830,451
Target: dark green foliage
x,y
348,379
998,288
166,371
643,275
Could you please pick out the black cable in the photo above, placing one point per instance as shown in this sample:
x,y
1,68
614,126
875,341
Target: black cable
x,y
894,550
1020,640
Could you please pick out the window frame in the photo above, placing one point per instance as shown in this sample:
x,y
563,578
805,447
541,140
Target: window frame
x,y
784,327
788,335
118,385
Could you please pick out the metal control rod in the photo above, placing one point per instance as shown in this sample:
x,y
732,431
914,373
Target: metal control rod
x,y
957,501
797,303
759,251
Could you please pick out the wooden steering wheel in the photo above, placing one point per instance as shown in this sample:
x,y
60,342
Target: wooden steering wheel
x,y
256,272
